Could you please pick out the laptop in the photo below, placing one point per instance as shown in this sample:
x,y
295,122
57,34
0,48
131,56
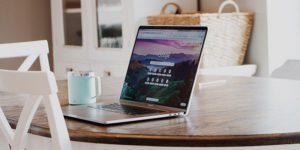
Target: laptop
x,y
159,80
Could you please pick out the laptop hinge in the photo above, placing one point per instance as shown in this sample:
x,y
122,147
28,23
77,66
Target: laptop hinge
x,y
152,106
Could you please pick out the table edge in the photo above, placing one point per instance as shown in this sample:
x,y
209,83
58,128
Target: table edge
x,y
178,141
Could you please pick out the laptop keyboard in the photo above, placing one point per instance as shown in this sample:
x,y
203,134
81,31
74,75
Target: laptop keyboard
x,y
125,109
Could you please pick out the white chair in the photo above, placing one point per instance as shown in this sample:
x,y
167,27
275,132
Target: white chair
x,y
44,89
289,70
32,50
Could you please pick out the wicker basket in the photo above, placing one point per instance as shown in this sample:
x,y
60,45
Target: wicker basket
x,y
171,19
228,33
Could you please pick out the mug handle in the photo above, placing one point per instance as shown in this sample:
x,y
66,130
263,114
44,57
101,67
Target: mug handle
x,y
98,85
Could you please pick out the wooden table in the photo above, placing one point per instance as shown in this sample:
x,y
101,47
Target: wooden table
x,y
242,112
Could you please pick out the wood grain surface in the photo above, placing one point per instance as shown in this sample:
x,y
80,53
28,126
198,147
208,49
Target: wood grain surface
x,y
241,112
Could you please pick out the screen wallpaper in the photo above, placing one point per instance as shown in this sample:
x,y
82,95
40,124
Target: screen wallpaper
x,y
163,66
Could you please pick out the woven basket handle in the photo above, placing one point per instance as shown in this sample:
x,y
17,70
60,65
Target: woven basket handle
x,y
229,2
163,10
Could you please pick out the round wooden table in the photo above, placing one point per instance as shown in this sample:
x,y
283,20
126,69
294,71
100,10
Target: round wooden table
x,y
241,112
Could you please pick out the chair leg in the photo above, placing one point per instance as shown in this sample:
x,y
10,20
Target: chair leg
x,y
59,132
4,144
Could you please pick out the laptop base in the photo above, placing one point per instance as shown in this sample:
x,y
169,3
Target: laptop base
x,y
100,116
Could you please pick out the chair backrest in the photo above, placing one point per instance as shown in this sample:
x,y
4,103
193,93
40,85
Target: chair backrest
x,y
289,70
31,50
43,89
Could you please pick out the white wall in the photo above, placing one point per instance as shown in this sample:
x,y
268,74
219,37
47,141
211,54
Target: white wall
x,y
284,31
258,46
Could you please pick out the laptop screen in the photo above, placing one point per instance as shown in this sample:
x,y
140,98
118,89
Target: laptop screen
x,y
163,65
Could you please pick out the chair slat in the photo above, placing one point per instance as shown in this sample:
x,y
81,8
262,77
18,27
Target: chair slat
x,y
32,82
23,49
28,62
44,62
5,127
24,122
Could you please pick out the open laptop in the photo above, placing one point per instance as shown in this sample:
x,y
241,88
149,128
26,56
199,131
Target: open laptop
x,y
159,80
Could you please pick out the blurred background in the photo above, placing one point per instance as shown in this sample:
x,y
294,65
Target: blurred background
x,y
98,35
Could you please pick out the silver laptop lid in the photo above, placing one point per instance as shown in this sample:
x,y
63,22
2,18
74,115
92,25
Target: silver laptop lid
x,y
163,65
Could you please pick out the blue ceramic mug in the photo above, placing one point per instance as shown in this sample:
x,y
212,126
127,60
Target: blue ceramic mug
x,y
83,87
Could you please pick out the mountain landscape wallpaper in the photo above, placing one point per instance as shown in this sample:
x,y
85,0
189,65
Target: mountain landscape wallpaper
x,y
176,79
